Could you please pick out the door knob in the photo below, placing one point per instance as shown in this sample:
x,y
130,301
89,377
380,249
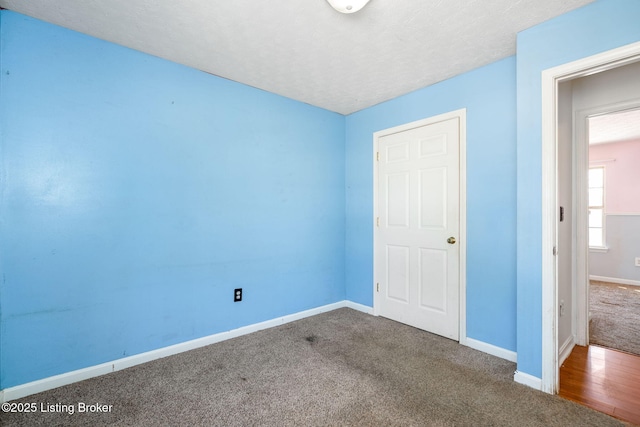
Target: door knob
x,y
451,240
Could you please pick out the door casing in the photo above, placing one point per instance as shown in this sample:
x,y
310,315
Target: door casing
x,y
550,208
581,147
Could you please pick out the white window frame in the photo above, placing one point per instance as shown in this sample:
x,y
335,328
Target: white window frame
x,y
602,247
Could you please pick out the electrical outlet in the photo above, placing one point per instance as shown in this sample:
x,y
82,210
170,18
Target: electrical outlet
x,y
637,261
237,295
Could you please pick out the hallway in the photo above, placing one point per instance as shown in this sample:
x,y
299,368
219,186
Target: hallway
x,y
603,379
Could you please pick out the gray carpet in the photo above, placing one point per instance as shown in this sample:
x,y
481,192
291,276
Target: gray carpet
x,y
615,316
340,368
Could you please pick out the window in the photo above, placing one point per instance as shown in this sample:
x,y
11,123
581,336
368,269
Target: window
x,y
596,207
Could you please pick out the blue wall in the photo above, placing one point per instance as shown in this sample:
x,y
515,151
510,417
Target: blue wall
x,y
595,28
136,194
488,94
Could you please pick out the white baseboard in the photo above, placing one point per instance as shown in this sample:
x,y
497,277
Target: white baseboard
x,y
363,308
615,280
491,349
528,380
565,349
49,383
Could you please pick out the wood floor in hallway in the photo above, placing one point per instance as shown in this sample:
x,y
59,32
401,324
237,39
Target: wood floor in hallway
x,y
603,379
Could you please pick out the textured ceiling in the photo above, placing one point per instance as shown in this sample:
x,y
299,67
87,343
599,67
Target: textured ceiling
x,y
615,127
305,50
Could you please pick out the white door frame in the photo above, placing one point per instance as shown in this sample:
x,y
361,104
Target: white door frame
x,y
550,80
581,165
462,116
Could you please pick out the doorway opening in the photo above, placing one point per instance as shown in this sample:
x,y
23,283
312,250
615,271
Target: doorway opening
x,y
613,319
565,269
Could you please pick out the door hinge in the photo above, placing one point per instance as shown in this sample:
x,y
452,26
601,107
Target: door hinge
x,y
377,156
555,251
377,287
377,221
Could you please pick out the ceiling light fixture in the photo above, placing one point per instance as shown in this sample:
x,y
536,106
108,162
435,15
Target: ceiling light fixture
x,y
347,6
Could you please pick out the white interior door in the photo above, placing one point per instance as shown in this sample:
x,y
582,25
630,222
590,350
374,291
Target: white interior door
x,y
417,253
